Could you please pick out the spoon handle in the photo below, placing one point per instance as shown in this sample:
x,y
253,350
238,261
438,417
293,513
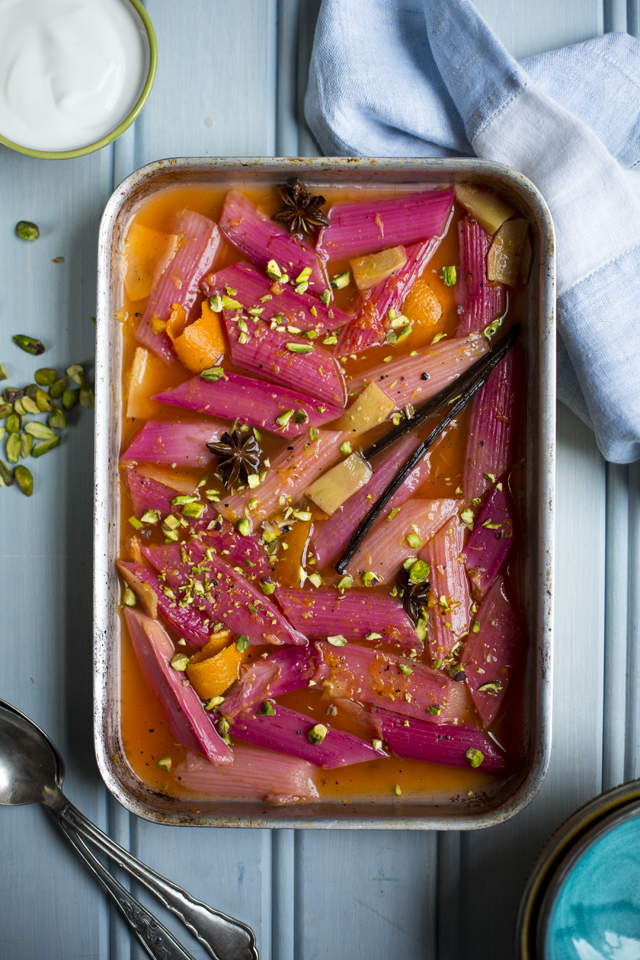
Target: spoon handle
x,y
222,937
155,938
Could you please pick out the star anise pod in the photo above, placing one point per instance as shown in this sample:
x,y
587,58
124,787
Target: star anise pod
x,y
301,213
239,455
415,590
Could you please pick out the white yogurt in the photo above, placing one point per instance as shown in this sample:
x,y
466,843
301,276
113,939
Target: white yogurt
x,y
70,70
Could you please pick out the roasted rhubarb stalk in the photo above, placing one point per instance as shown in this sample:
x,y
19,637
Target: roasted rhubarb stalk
x,y
174,441
254,775
454,745
490,655
188,721
254,402
275,727
263,241
355,615
371,225
179,281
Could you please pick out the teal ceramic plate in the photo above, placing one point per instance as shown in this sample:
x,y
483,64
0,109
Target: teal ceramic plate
x,y
567,915
592,909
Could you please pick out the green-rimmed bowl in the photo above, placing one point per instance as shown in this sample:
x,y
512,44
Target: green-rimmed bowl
x,y
128,120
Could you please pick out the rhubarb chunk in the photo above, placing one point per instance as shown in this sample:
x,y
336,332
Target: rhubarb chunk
x,y
492,653
254,775
189,723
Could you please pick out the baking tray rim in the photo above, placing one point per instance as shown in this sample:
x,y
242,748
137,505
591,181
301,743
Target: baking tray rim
x,y
542,616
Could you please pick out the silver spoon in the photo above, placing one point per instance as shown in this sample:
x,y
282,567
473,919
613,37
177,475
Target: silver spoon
x,y
32,771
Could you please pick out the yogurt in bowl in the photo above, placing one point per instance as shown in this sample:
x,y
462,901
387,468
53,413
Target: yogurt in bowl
x,y
74,74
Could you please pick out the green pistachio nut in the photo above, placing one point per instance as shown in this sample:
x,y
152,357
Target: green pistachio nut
x,y
70,398
27,230
14,448
24,479
46,376
58,388
29,344
57,419
45,446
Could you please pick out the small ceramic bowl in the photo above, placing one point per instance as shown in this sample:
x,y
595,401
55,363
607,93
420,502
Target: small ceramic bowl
x,y
151,52
582,898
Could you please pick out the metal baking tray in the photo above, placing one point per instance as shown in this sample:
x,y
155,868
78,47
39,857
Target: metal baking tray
x,y
442,813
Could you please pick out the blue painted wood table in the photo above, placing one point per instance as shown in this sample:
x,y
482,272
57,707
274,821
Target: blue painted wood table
x,y
231,82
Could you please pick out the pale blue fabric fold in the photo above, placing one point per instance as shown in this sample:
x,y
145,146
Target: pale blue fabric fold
x,y
429,78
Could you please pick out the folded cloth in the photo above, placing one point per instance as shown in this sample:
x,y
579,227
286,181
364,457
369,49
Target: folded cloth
x,y
429,78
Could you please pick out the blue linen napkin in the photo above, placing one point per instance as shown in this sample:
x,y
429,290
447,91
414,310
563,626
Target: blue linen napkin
x,y
429,78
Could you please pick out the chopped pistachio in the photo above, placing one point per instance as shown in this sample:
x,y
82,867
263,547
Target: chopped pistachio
x,y
376,744
212,374
414,540
150,516
325,296
273,270
313,434
467,517
128,596
397,790
27,230
70,398
493,688
474,756
242,643
299,347
45,446
26,445
223,729
267,709
13,423
46,376
491,330
57,419
179,661
76,372
12,393
449,276
243,526
317,733
315,579
435,709
58,388
404,669
330,340
374,636
346,448
137,524
28,405
14,448
438,337
268,586
341,280
38,430
337,641
6,475
369,578
421,629
345,582
475,627
301,287
284,418
5,410
19,408
301,417
164,763
24,479
44,401
213,703
29,344
215,303
194,510
419,571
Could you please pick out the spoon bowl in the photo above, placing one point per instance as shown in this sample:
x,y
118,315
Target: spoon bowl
x,y
32,771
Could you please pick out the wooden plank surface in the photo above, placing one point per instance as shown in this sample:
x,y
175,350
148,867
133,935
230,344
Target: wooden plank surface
x,y
231,82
